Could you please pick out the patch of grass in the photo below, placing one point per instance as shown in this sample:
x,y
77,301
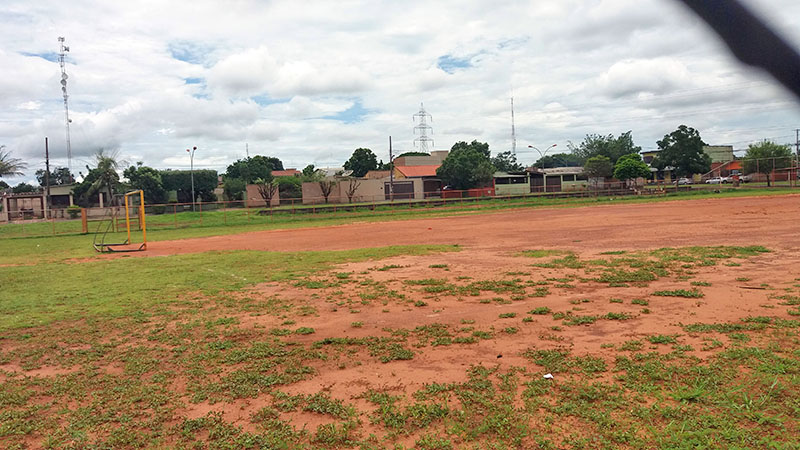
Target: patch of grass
x,y
541,253
694,293
640,301
540,311
661,339
437,266
84,294
507,315
701,283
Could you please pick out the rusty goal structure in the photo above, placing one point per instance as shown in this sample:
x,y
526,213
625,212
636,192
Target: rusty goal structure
x,y
134,217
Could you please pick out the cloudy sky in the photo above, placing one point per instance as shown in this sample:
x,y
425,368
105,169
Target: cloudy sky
x,y
311,81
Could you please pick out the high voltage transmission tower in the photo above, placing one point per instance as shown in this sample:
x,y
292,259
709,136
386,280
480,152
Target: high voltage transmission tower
x,y
62,61
424,143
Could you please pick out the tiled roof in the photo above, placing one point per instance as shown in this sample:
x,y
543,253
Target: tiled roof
x,y
418,171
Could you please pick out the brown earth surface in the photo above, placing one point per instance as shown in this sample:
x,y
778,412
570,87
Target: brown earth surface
x,y
343,307
745,220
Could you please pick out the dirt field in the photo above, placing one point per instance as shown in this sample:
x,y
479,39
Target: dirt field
x,y
578,293
767,220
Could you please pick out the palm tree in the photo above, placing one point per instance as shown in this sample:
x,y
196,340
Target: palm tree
x,y
107,176
10,166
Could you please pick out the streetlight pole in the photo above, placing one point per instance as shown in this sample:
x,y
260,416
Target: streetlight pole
x,y
191,171
542,154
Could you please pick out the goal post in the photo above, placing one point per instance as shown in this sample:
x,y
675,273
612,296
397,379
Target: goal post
x,y
126,246
142,219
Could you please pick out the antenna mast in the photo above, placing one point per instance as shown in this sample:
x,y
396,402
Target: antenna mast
x,y
62,61
513,131
424,143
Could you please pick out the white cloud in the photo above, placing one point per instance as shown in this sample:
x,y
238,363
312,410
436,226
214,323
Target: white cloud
x,y
153,80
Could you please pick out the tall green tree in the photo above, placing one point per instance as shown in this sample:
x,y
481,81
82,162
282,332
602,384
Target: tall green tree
x,y
180,181
466,166
480,147
10,166
59,176
631,167
766,157
249,169
599,166
23,188
559,160
608,146
506,162
682,150
361,161
148,180
106,167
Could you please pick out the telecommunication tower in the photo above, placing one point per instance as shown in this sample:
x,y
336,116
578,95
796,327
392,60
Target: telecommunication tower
x,y
513,131
62,61
424,143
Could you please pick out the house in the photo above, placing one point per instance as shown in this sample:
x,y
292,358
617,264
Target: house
x,y
512,183
434,159
431,184
377,174
557,179
286,173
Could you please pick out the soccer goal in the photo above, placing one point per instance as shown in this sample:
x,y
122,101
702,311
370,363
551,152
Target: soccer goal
x,y
134,216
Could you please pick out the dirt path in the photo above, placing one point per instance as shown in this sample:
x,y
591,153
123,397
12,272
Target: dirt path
x,y
750,220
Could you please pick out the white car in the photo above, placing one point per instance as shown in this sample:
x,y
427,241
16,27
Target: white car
x,y
684,180
716,180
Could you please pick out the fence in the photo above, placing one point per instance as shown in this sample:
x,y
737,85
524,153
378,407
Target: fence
x,y
253,211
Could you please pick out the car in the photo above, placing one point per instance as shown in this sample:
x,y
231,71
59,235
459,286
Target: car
x,y
685,180
715,180
745,178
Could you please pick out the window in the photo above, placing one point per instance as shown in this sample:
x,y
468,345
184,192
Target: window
x,y
568,177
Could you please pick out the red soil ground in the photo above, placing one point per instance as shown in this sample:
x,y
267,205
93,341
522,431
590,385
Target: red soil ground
x,y
733,221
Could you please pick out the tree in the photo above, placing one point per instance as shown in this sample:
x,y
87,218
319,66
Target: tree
x,y
148,180
480,147
608,146
507,162
3,185
682,150
180,181
23,188
352,187
326,186
631,167
559,160
234,188
59,176
413,154
766,157
309,171
107,176
467,166
267,188
9,166
361,161
290,187
249,169
599,166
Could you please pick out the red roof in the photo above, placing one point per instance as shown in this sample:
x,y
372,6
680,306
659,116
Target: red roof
x,y
286,173
418,171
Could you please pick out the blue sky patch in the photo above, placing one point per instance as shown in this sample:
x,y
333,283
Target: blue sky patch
x,y
188,51
450,63
266,100
353,114
49,56
194,80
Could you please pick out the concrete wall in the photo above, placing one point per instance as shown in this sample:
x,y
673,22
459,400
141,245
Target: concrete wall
x,y
255,200
434,159
367,191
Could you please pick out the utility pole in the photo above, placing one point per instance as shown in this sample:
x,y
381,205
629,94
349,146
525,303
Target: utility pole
x,y
391,171
47,178
247,149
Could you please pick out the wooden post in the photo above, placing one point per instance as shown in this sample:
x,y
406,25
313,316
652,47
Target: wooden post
x,y
84,221
175,214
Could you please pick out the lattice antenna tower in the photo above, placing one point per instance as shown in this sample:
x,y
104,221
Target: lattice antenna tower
x,y
424,143
513,131
62,61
